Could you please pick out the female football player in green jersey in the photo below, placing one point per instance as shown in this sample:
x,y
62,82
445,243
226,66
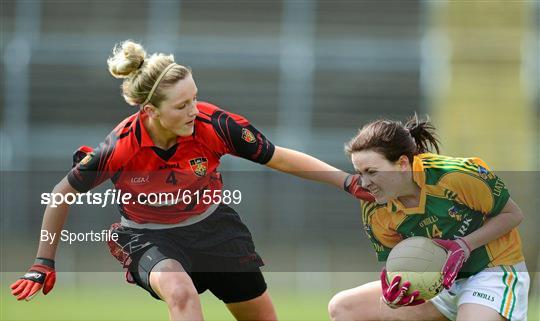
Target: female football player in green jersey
x,y
458,202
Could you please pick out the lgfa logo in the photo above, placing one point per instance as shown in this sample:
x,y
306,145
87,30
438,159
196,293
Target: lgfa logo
x,y
140,180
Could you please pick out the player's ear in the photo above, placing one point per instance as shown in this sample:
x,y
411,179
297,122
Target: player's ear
x,y
151,110
403,162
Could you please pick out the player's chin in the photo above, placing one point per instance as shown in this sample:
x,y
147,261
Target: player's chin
x,y
186,131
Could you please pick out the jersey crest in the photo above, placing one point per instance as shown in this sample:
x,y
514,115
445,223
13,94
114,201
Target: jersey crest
x,y
484,173
453,212
199,166
248,136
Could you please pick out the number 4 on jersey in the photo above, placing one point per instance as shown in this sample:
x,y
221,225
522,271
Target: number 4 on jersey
x,y
171,179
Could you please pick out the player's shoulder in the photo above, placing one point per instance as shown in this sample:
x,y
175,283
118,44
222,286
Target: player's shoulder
x,y
207,113
380,222
437,167
370,209
207,109
211,113
127,125
128,130
204,121
207,125
124,140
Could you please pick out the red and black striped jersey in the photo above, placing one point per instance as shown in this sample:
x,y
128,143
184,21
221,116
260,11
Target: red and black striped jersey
x,y
136,166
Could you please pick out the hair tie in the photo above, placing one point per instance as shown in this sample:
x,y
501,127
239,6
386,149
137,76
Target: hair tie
x,y
140,65
156,84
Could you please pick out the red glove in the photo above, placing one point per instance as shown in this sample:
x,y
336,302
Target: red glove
x,y
394,296
40,275
353,185
458,252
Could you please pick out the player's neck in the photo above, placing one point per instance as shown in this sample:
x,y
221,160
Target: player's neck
x,y
161,137
411,195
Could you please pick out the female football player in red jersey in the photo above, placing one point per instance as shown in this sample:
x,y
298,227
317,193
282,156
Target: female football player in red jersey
x,y
176,249
460,204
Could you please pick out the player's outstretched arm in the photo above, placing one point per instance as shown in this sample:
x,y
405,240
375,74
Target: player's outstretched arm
x,y
42,273
308,167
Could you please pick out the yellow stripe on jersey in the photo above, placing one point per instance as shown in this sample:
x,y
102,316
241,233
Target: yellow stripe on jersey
x,y
470,163
431,157
367,211
451,165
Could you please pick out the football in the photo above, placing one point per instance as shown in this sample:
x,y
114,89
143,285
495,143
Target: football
x,y
420,261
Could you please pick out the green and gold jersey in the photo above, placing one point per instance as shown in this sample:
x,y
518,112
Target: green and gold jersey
x,y
457,196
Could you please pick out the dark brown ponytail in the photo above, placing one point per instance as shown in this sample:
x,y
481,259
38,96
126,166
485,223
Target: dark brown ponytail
x,y
393,139
423,133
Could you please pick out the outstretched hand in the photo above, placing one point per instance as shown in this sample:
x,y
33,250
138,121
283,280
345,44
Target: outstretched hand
x,y
353,186
40,275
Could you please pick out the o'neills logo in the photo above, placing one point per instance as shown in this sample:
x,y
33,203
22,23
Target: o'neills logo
x,y
199,166
484,296
248,136
167,166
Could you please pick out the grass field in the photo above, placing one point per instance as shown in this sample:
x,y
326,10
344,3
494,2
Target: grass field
x,y
110,304
125,302
121,301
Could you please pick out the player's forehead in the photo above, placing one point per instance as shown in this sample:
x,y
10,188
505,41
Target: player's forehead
x,y
367,159
182,90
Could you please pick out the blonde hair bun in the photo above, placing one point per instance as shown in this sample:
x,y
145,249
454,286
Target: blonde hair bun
x,y
128,57
145,77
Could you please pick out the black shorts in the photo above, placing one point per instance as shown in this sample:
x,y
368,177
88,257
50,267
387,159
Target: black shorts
x,y
218,254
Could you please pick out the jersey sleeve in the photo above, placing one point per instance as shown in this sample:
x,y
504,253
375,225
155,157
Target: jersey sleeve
x,y
241,138
378,230
96,167
477,187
